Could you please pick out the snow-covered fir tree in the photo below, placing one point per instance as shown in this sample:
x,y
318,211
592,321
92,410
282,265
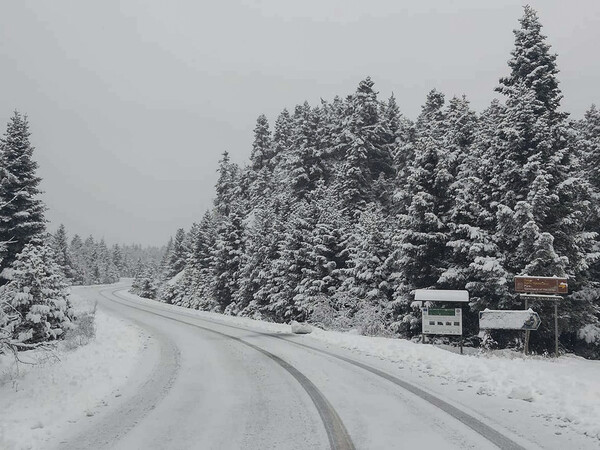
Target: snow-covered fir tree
x,y
60,245
22,215
38,294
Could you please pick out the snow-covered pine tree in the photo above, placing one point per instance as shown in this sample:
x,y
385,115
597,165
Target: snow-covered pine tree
x,y
228,185
259,173
400,126
174,263
262,152
367,290
76,250
303,167
459,132
327,251
145,283
60,246
420,254
278,209
262,234
475,262
281,143
178,255
90,258
163,267
226,258
198,275
38,293
287,270
365,141
119,261
22,215
588,143
228,246
106,268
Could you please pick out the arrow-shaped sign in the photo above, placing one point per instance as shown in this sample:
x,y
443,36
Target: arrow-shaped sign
x,y
509,320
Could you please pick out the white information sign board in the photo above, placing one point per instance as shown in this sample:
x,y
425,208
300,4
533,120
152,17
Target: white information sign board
x,y
509,320
442,321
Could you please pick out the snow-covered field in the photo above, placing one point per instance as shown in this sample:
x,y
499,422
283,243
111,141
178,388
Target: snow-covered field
x,y
565,391
65,387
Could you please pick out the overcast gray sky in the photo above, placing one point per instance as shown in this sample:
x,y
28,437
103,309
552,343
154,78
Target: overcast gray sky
x,y
132,102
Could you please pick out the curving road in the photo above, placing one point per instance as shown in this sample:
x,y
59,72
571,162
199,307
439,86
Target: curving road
x,y
212,385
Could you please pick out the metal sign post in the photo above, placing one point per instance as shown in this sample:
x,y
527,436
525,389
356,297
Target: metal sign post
x,y
527,332
542,288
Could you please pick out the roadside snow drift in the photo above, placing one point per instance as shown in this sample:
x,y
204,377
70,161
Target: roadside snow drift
x,y
39,403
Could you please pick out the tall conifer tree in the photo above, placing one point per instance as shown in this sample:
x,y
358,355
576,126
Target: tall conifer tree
x,y
22,215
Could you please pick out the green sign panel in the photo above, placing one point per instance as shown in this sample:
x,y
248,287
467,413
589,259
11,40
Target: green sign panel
x,y
441,312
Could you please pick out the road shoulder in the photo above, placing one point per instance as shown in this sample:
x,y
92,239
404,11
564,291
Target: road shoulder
x,y
68,390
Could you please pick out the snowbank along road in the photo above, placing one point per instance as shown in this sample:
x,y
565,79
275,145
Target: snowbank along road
x,y
219,386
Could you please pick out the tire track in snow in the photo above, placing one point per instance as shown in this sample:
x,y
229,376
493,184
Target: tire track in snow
x,y
110,429
492,435
338,436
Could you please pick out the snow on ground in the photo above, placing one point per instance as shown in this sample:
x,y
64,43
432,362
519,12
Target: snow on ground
x,y
38,403
565,389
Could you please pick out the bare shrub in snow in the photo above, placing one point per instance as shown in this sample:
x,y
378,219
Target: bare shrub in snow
x,y
371,321
325,315
83,330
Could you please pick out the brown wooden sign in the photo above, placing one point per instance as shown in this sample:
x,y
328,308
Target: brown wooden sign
x,y
541,285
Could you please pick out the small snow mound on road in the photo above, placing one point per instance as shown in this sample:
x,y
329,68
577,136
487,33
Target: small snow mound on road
x,y
300,328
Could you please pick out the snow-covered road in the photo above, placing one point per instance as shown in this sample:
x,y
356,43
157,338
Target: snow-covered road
x,y
214,385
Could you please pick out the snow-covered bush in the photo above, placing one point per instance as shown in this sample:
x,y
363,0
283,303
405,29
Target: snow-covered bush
x,y
325,315
590,334
38,295
83,330
7,322
145,284
370,320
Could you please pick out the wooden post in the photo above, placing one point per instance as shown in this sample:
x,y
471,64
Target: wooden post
x,y
556,329
461,345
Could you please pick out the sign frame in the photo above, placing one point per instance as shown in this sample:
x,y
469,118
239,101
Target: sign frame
x,y
441,327
538,288
541,285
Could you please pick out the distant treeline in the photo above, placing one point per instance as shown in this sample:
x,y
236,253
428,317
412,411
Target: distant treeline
x,y
87,262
